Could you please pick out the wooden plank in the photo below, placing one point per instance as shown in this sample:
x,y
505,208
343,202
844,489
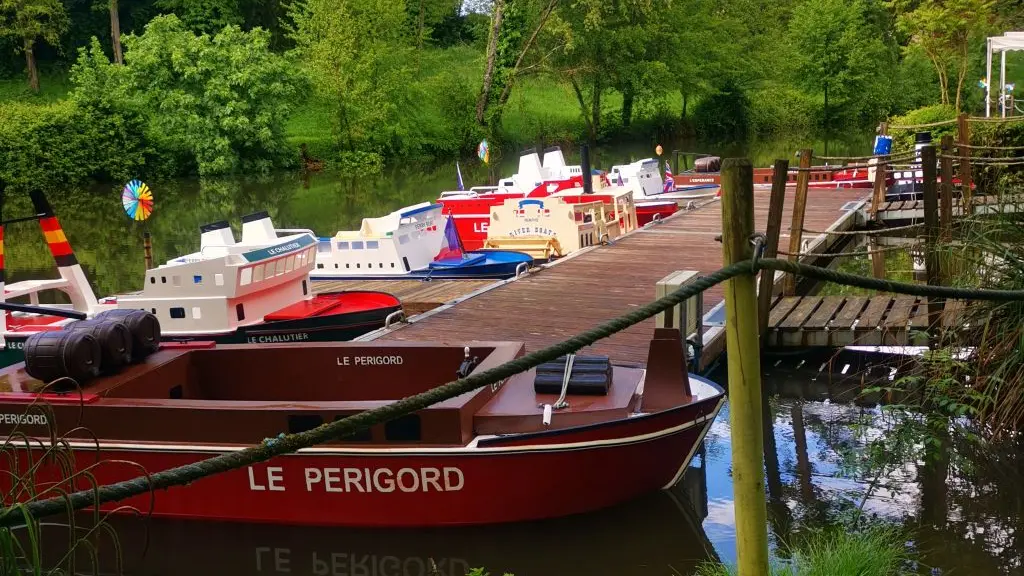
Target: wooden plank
x,y
896,320
850,312
801,313
796,229
782,309
766,282
866,332
816,329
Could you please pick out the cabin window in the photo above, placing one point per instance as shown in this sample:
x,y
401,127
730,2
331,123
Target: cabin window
x,y
319,266
289,264
177,312
197,279
403,239
305,289
357,265
197,313
303,422
380,264
163,279
403,429
175,393
152,279
363,435
357,245
257,273
405,262
240,311
246,276
280,267
371,244
218,279
342,245
153,310
324,247
392,264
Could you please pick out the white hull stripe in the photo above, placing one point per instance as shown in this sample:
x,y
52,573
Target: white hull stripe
x,y
689,457
469,450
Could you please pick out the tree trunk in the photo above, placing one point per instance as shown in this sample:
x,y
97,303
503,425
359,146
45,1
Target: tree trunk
x,y
115,32
825,111
30,61
627,107
595,111
492,50
685,98
961,76
522,53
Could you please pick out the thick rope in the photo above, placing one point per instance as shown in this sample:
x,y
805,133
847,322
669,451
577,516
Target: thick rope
x,y
287,443
875,232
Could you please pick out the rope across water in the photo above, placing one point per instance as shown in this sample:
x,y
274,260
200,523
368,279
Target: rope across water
x,y
292,442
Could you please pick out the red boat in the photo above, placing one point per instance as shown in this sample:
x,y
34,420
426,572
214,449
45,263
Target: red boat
x,y
706,171
575,435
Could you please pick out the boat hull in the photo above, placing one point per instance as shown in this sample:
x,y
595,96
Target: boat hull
x,y
333,327
496,265
505,479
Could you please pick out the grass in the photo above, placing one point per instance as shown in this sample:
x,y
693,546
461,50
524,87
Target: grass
x,y
877,551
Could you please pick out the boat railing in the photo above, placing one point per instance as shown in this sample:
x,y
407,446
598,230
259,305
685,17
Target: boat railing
x,y
521,269
396,316
278,231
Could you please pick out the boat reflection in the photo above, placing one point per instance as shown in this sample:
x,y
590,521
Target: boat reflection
x,y
657,534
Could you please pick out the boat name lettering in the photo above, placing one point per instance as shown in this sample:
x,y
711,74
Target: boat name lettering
x,y
532,230
271,338
354,564
370,360
282,249
481,227
15,344
30,419
447,479
424,224
702,180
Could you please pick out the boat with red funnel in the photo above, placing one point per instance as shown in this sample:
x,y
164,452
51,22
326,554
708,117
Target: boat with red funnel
x,y
573,435
256,290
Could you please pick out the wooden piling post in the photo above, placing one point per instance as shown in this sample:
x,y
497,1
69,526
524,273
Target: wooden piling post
x,y
932,264
771,244
147,249
878,196
963,138
946,190
743,357
799,208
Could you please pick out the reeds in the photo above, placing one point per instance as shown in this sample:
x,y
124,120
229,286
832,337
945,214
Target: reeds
x,y
45,467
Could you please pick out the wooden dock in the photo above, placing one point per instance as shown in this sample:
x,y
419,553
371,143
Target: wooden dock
x,y
911,210
853,320
417,296
600,283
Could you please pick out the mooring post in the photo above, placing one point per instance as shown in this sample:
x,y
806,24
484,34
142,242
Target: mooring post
x,y
771,245
147,249
932,263
796,230
963,138
881,171
743,357
946,190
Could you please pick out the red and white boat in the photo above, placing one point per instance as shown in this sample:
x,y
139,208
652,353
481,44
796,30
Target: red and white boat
x,y
254,290
706,171
472,208
567,437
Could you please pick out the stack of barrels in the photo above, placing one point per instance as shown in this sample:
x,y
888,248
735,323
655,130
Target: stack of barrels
x,y
84,349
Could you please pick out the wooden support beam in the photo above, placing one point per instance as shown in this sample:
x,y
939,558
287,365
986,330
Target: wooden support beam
x,y
771,244
963,137
743,357
933,272
799,209
946,191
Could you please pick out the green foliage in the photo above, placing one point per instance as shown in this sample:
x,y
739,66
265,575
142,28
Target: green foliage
x,y
877,551
220,101
781,110
29,20
205,16
724,117
903,140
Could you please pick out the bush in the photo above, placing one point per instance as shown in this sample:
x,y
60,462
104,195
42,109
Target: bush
x,y
723,116
784,111
61,144
903,140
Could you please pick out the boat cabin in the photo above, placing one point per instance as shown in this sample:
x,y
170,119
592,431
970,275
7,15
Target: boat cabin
x,y
392,245
642,178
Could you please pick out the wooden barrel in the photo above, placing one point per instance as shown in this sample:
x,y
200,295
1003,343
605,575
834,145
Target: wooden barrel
x,y
114,338
143,326
57,354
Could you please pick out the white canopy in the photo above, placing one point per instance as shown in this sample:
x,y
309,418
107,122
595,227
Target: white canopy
x,y
1008,42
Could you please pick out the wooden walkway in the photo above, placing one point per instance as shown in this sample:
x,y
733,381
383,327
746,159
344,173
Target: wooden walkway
x,y
417,296
596,285
914,209
853,320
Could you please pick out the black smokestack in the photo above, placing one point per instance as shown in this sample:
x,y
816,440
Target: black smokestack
x,y
588,183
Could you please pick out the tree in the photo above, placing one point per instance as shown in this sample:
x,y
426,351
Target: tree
x,y
944,29
27,21
115,32
205,16
839,48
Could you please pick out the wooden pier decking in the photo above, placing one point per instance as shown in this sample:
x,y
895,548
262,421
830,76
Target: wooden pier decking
x,y
598,284
914,209
835,321
417,296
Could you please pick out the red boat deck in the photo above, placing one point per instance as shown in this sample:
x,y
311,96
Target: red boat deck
x,y
563,300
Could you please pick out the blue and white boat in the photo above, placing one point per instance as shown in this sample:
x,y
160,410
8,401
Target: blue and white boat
x,y
415,242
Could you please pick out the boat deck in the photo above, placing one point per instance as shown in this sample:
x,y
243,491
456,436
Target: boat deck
x,y
598,284
417,296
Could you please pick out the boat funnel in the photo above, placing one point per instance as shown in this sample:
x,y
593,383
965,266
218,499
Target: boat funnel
x,y
79,290
531,173
588,177
554,160
257,228
215,235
